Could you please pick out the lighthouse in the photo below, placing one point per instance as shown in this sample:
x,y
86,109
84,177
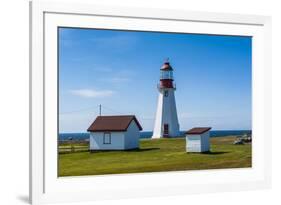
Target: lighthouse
x,y
166,120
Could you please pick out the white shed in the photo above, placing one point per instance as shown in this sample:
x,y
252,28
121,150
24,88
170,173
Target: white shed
x,y
119,132
198,139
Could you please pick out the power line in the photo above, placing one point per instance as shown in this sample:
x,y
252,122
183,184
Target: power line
x,y
121,113
91,108
112,110
100,107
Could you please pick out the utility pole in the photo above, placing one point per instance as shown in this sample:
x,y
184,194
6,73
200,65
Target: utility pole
x,y
100,109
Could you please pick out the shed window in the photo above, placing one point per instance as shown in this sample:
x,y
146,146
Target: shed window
x,y
107,138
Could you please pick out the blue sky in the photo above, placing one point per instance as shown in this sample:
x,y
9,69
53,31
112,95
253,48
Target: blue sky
x,y
120,70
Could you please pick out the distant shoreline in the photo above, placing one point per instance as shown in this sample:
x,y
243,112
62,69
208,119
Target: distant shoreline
x,y
148,134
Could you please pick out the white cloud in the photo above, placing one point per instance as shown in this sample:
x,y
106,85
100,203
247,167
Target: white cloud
x,y
116,79
118,76
92,93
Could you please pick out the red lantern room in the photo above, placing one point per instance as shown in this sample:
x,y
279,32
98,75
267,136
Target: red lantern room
x,y
166,76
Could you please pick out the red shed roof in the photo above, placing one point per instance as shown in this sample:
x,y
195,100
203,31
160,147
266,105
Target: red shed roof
x,y
117,123
198,130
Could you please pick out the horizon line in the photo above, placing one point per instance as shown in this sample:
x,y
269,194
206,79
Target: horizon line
x,y
152,131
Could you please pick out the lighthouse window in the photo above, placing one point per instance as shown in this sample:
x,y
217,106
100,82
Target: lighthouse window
x,y
166,75
166,93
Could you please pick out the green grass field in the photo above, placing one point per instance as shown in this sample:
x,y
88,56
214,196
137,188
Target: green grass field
x,y
154,156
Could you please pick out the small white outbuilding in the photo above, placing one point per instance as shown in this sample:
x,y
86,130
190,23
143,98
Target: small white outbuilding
x,y
198,139
119,132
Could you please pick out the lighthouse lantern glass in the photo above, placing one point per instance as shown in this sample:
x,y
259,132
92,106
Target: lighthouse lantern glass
x,y
166,74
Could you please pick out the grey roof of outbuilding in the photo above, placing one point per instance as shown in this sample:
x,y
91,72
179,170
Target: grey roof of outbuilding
x,y
115,123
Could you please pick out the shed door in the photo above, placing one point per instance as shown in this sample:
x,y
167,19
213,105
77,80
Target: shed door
x,y
166,130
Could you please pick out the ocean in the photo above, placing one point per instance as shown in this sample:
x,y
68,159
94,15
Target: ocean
x,y
148,134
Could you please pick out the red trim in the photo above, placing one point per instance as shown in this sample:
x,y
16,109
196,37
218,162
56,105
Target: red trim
x,y
166,83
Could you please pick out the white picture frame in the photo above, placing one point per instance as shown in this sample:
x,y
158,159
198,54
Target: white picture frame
x,y
45,186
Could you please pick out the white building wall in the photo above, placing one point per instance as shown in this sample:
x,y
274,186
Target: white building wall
x,y
132,136
157,131
205,142
198,143
193,143
117,141
166,114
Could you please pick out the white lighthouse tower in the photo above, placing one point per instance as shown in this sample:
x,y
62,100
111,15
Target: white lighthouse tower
x,y
166,121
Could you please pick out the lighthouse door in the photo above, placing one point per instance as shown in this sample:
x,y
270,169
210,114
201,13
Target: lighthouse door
x,y
166,130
